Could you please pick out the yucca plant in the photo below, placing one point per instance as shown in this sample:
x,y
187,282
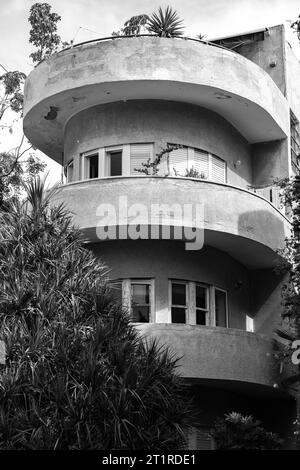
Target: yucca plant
x,y
166,23
77,374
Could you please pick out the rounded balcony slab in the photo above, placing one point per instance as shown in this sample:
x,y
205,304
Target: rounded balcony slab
x,y
243,224
151,68
216,354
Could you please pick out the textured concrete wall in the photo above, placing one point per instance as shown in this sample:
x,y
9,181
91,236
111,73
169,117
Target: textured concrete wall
x,y
270,160
235,220
266,299
163,260
151,68
216,353
159,122
292,75
267,52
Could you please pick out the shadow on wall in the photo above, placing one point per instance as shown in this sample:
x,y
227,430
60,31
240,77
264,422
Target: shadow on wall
x,y
265,283
266,227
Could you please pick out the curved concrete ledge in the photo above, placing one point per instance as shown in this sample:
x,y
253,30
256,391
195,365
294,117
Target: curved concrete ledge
x,y
236,221
151,68
215,353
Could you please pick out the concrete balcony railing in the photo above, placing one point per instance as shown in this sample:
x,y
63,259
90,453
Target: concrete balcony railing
x,y
151,68
216,354
234,220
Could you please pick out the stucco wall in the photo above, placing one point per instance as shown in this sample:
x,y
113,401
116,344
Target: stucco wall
x,y
165,260
292,75
266,52
270,160
159,122
235,220
151,68
217,353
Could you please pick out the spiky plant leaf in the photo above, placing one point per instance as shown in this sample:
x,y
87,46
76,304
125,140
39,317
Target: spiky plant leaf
x,y
166,23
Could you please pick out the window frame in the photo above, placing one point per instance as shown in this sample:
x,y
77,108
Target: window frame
x,y
226,303
208,304
70,164
108,151
191,307
85,165
127,295
187,296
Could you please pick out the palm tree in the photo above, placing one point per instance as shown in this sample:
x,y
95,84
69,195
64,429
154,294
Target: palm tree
x,y
77,373
165,24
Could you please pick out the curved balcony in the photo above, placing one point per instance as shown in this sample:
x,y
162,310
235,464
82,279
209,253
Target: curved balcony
x,y
216,354
151,68
234,220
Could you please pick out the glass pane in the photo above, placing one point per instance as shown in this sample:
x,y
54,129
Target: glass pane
x,y
220,300
116,164
140,314
200,317
140,293
178,294
93,166
178,315
201,297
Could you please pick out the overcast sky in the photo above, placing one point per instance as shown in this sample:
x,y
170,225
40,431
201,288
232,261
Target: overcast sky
x,y
213,18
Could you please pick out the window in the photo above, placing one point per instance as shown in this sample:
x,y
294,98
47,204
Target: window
x,y
138,297
295,141
114,163
179,302
221,308
198,304
70,170
139,153
207,165
90,166
178,161
140,302
202,310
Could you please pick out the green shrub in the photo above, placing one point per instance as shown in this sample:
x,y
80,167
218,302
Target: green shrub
x,y
77,374
238,432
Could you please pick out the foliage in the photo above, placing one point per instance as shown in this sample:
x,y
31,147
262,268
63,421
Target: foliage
x,y
151,167
77,374
15,171
43,33
192,173
238,432
289,330
166,23
296,26
134,26
12,93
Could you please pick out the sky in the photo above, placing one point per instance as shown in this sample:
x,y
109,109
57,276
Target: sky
x,y
83,20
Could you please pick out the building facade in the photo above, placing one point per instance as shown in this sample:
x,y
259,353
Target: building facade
x,y
228,111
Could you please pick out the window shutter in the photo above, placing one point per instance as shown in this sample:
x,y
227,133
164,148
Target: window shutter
x,y
204,440
201,162
139,153
200,439
218,169
178,160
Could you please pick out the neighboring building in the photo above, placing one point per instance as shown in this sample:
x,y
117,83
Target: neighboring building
x,y
105,107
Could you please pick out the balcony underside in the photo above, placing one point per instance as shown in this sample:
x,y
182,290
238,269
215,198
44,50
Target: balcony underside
x,y
151,68
238,222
